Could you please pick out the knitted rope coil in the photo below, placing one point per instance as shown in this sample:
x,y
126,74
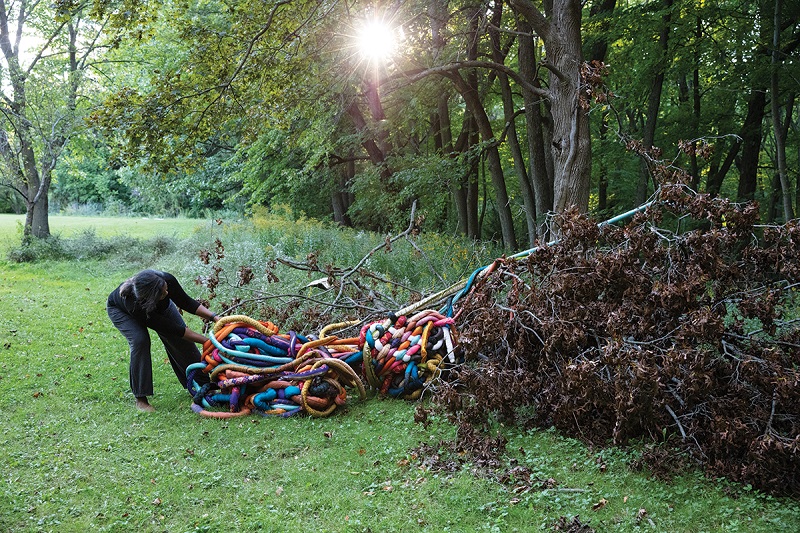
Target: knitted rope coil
x,y
402,354
251,367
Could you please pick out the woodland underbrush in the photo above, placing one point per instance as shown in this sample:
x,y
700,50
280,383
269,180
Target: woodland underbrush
x,y
679,330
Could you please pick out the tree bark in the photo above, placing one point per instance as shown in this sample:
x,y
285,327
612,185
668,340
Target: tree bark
x,y
468,89
376,155
341,198
779,131
502,202
571,144
541,177
509,115
750,135
466,203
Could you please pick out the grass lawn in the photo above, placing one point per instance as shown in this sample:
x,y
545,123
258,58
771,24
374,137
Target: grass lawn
x,y
68,226
76,456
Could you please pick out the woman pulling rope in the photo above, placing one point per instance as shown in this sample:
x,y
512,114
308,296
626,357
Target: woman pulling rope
x,y
150,300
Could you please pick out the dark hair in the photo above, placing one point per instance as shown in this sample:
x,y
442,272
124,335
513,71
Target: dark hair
x,y
146,288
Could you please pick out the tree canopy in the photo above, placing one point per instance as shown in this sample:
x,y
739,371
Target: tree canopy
x,y
491,115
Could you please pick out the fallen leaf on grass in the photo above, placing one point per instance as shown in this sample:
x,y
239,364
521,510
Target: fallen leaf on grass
x,y
599,505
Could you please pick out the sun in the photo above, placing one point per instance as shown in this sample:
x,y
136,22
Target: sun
x,y
376,41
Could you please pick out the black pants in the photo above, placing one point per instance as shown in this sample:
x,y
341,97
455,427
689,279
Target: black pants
x,y
181,352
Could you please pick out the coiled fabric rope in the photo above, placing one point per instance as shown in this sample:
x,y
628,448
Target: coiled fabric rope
x,y
253,368
402,354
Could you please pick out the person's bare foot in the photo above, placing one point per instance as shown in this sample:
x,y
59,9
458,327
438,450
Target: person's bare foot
x,y
143,405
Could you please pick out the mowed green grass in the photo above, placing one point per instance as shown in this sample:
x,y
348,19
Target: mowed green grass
x,y
77,457
69,226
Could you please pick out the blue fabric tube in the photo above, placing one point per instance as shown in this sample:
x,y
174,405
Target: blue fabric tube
x,y
265,348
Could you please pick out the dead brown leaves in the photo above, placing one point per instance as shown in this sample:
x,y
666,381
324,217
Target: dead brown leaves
x,y
681,325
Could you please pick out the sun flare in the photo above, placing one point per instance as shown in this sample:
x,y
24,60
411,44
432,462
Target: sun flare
x,y
376,41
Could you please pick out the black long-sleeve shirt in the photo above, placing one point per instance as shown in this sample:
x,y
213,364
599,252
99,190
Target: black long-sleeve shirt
x,y
156,320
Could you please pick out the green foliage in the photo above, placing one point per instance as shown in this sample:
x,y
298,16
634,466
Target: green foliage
x,y
263,100
10,201
83,177
276,171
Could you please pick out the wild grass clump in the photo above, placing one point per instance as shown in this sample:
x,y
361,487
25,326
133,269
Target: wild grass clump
x,y
263,267
87,245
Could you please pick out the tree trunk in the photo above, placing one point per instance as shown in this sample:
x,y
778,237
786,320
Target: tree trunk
x,y
780,135
795,125
571,140
509,114
750,135
466,140
561,33
341,198
541,179
468,89
484,126
773,199
600,14
653,105
376,155
466,206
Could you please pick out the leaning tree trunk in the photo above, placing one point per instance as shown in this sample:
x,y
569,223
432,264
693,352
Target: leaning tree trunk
x,y
513,141
502,201
468,89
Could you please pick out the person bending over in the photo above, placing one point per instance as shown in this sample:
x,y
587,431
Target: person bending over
x,y
151,299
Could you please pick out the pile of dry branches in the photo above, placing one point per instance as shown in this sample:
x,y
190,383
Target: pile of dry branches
x,y
688,335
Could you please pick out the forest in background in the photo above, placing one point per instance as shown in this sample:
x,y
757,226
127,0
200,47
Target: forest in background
x,y
491,115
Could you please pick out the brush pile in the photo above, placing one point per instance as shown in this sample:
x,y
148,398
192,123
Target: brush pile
x,y
688,335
